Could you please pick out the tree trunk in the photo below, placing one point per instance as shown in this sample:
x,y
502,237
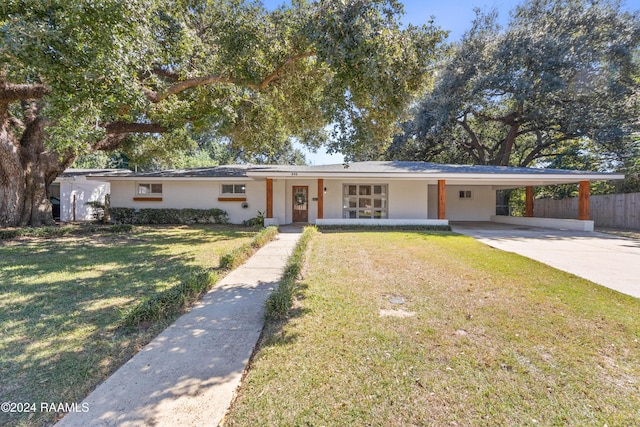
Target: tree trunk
x,y
27,170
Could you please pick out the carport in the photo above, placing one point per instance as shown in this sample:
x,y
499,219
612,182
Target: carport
x,y
604,259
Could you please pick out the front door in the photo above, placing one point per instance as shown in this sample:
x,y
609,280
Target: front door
x,y
300,204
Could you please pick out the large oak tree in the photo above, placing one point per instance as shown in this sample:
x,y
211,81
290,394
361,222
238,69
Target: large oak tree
x,y
83,76
562,76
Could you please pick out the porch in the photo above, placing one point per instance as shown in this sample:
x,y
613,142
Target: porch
x,y
396,202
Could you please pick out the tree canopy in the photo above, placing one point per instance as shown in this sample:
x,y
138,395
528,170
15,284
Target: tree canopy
x,y
83,76
562,77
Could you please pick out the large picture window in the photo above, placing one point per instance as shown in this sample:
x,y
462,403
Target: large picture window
x,y
365,201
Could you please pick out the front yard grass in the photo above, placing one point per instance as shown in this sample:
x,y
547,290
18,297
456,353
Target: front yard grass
x,y
63,300
484,337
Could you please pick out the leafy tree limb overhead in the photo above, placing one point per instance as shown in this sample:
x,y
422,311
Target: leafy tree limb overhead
x,y
563,72
82,76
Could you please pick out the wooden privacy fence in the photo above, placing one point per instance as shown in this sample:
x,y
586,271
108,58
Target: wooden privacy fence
x,y
607,210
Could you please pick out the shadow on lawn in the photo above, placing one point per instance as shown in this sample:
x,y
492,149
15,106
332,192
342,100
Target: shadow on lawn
x,y
275,333
203,350
63,299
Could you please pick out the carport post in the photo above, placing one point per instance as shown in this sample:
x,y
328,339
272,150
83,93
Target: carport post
x,y
528,211
320,198
584,191
442,199
269,198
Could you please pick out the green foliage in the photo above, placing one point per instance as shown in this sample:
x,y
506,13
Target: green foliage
x,y
168,216
562,77
122,228
355,227
145,77
90,77
274,74
279,302
257,221
239,255
202,150
97,209
59,231
45,232
171,301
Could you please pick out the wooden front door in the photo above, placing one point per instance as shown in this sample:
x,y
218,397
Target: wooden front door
x,y
300,204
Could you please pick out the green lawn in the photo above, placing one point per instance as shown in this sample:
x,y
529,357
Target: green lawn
x,y
487,338
63,298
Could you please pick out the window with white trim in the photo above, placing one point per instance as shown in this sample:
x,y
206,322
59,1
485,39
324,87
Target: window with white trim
x,y
234,188
465,194
149,189
365,201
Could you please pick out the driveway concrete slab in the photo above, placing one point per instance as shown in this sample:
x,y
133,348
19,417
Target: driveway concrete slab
x,y
605,259
188,374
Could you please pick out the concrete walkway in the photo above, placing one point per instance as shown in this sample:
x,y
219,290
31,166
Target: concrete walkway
x,y
188,374
605,259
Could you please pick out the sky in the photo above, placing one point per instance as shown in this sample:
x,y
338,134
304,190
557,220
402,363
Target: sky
x,y
454,16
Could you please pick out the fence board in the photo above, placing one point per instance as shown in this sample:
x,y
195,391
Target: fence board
x,y
607,210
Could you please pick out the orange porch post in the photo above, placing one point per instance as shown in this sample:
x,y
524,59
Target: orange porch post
x,y
320,198
442,199
528,208
269,198
584,192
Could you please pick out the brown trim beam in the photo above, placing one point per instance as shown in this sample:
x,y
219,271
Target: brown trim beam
x,y
584,192
269,198
528,205
232,199
320,198
147,199
442,199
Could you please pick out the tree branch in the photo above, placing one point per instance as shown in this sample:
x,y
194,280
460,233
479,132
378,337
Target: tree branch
x,y
535,152
117,128
271,77
109,142
166,74
509,119
183,85
475,143
10,92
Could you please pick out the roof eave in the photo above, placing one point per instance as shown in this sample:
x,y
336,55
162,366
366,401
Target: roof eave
x,y
573,177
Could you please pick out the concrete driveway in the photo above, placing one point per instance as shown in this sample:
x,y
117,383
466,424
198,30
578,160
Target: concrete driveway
x,y
605,259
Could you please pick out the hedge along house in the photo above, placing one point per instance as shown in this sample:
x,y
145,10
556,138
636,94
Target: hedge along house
x,y
365,193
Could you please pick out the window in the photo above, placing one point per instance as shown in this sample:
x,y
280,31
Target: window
x,y
364,201
148,189
465,194
234,188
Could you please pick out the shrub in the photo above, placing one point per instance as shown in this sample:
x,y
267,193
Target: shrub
x,y
9,234
239,255
257,221
44,232
97,209
279,302
168,216
121,228
171,301
359,227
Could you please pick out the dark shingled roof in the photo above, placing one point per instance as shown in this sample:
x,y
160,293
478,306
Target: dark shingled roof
x,y
399,167
206,172
418,167
81,172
